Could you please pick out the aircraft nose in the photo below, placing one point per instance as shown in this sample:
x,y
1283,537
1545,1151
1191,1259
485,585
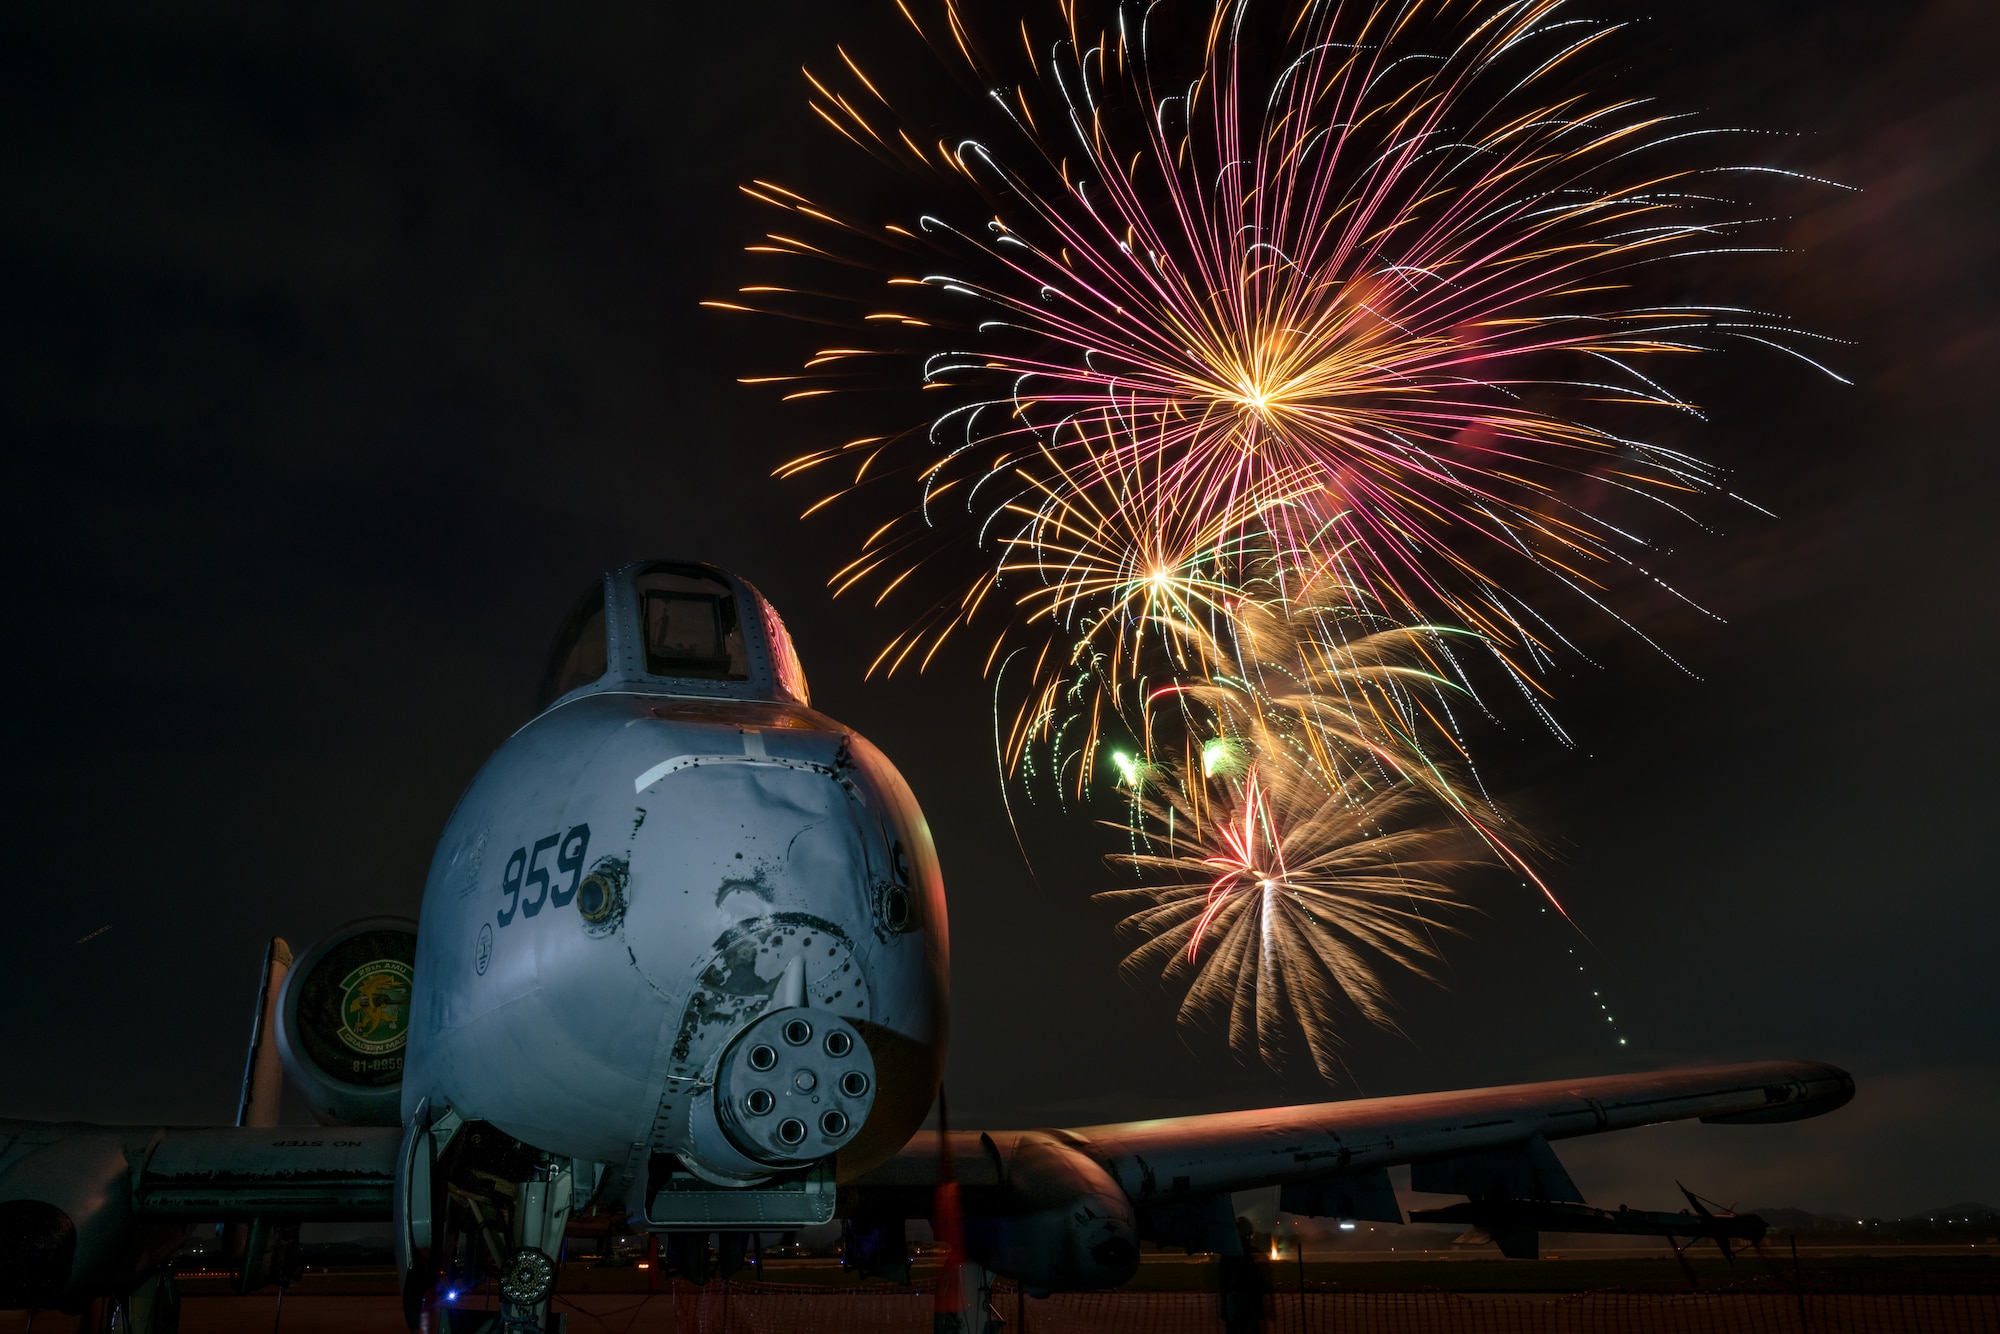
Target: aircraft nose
x,y
755,899
752,866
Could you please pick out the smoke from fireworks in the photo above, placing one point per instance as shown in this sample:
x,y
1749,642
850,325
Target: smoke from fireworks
x,y
1255,303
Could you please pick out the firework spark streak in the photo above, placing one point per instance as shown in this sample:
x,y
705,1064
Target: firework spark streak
x,y
1282,357
1306,835
1380,299
1273,903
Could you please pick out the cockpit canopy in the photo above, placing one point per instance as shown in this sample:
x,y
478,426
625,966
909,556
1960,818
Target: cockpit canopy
x,y
673,628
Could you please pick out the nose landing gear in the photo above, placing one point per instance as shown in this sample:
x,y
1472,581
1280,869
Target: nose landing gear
x,y
540,1212
528,1279
509,1205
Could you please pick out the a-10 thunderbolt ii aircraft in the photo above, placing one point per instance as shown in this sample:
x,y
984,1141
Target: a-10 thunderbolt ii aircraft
x,y
683,957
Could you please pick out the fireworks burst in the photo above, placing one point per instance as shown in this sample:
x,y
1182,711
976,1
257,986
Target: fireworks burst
x,y
1274,358
1305,837
1374,291
1275,903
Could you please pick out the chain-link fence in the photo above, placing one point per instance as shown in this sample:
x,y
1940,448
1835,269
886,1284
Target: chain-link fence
x,y
732,1308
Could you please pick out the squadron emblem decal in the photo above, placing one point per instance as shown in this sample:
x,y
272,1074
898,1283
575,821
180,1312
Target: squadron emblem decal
x,y
375,1007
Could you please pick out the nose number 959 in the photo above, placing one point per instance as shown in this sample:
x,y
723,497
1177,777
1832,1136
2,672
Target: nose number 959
x,y
526,883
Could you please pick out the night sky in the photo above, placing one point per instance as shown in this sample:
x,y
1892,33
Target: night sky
x,y
343,345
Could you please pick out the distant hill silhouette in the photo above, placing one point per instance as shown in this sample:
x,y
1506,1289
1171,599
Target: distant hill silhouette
x,y
1965,1211
1795,1219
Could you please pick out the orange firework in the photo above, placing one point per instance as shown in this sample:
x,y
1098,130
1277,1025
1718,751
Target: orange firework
x,y
1274,903
1370,284
1277,358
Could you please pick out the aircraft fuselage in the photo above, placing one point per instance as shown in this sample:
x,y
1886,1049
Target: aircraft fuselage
x,y
716,844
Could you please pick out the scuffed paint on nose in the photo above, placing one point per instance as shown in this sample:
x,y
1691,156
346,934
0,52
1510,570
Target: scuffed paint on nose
x,y
727,842
734,868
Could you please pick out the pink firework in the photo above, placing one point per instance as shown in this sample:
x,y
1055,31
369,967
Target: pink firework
x,y
1371,285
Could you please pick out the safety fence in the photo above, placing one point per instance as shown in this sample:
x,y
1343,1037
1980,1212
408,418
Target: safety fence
x,y
779,1309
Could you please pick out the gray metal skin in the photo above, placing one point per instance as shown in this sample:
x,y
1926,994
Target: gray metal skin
x,y
747,835
1039,1205
605,1042
1182,1158
1065,1209
92,1210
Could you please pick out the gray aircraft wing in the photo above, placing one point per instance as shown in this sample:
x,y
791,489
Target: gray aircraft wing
x,y
1060,1208
1331,1158
205,1173
215,1173
86,1209
1229,1151
1184,1157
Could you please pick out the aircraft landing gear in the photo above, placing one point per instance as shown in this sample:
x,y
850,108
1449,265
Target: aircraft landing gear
x,y
154,1307
976,1313
507,1207
541,1209
529,1279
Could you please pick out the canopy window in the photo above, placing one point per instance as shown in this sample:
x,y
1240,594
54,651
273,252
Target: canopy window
x,y
784,658
579,656
690,623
